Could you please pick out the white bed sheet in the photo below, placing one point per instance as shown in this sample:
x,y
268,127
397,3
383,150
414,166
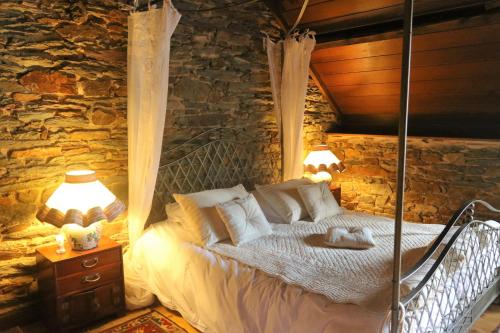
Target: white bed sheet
x,y
220,295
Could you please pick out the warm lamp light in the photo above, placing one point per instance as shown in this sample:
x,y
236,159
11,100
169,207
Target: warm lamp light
x,y
79,205
320,163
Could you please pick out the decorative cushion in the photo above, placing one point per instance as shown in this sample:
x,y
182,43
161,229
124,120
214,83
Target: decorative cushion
x,y
202,219
285,199
319,201
350,238
244,219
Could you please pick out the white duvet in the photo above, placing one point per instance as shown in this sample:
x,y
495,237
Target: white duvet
x,y
217,294
297,254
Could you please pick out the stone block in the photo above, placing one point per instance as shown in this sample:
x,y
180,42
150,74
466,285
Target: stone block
x,y
49,82
95,88
24,98
89,135
39,152
102,117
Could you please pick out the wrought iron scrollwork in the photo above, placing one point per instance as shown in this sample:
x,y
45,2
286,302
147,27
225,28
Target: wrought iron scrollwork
x,y
217,158
460,275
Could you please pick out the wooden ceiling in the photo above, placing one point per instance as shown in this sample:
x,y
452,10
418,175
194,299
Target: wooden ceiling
x,y
455,73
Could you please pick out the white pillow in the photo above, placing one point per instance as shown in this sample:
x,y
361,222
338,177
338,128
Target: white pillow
x,y
202,219
285,199
244,219
174,212
319,201
271,215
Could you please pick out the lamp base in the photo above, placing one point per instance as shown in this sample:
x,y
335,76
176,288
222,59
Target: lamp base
x,y
82,239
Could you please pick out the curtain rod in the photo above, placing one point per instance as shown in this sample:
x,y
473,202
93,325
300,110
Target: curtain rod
x,y
400,185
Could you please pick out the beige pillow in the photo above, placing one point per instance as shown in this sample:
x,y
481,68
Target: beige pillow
x,y
319,201
285,200
244,219
202,220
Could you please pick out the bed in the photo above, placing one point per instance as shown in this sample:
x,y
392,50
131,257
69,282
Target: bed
x,y
451,271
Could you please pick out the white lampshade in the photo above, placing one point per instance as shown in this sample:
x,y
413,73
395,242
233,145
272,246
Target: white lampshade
x,y
318,157
319,164
81,199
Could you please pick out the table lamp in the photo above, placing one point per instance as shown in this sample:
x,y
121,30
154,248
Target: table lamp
x,y
78,206
320,163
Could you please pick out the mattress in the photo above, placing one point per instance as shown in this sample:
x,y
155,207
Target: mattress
x,y
217,294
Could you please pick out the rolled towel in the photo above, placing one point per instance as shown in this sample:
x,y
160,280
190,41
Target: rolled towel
x,y
350,238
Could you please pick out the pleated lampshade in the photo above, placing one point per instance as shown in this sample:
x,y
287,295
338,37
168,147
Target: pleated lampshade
x,y
82,200
320,163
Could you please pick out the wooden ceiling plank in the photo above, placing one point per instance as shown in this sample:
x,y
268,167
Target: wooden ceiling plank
x,y
341,15
431,41
385,17
451,110
427,59
419,101
436,88
334,9
488,18
327,93
430,73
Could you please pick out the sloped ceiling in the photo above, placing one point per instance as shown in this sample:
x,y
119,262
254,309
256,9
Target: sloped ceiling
x,y
455,72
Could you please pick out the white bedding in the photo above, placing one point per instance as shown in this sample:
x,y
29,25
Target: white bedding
x,y
218,294
297,254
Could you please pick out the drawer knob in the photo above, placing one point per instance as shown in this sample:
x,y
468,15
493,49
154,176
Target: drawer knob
x,y
89,263
91,278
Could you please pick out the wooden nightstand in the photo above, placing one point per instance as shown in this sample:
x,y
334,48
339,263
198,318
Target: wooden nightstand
x,y
79,287
337,193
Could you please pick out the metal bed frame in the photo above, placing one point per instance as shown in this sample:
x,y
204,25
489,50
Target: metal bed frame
x,y
216,158
223,157
434,305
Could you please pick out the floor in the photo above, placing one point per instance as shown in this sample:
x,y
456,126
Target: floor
x,y
488,323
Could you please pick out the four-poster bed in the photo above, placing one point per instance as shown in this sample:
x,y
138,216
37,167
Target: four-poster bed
x,y
466,249
287,281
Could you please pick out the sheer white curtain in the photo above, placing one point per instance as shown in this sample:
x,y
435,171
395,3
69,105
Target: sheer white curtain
x,y
289,86
149,35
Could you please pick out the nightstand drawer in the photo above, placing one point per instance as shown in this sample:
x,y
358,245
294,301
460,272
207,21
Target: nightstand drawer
x,y
88,306
88,279
88,262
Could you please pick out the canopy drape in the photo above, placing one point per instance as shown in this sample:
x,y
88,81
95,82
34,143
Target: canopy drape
x,y
149,34
289,87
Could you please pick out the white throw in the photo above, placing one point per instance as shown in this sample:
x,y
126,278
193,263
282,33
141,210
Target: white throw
x,y
349,238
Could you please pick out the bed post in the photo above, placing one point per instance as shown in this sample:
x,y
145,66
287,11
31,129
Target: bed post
x,y
403,122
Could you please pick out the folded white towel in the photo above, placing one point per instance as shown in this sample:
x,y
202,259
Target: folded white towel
x,y
350,238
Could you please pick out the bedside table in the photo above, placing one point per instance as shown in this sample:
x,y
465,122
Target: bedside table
x,y
79,287
337,194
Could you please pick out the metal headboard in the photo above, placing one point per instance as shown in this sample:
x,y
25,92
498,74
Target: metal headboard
x,y
217,158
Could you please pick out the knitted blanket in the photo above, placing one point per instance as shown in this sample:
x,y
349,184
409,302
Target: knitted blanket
x,y
296,254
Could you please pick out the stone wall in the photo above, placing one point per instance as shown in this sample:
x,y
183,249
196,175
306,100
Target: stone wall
x,y
63,105
441,174
219,77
